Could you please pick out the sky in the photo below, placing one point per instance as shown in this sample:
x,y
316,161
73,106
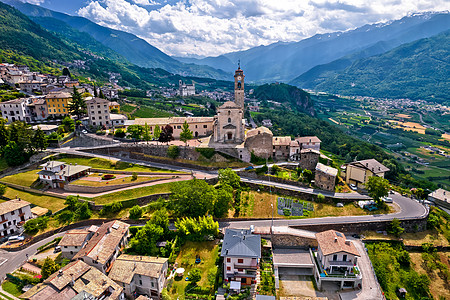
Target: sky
x,y
197,28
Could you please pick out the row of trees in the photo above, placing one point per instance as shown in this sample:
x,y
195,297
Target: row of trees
x,y
162,134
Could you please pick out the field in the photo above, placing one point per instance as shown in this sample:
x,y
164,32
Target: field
x,y
104,164
151,112
258,205
208,253
24,179
52,203
99,182
132,193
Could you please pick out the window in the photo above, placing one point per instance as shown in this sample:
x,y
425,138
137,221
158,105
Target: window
x,y
65,247
140,282
153,285
344,257
335,257
228,259
204,126
12,213
240,260
241,270
229,120
228,268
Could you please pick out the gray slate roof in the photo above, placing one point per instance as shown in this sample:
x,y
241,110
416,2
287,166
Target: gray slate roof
x,y
241,243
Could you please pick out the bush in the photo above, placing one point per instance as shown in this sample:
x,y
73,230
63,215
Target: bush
x,y
34,225
286,212
136,212
134,176
320,198
195,275
119,133
206,152
395,228
111,208
173,151
108,176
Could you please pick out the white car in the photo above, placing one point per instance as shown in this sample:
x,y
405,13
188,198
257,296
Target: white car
x,y
388,200
353,187
84,131
15,238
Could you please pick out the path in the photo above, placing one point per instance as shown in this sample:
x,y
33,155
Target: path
x,y
7,294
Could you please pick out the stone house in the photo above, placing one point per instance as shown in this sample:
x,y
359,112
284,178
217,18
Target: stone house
x,y
359,172
13,214
140,274
241,252
440,197
325,177
16,110
281,146
56,173
105,245
38,109
309,142
73,241
308,159
259,141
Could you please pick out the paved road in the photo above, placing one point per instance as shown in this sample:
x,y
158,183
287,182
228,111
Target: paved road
x,y
12,260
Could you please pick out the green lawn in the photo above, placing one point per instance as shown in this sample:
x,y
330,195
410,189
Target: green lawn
x,y
104,164
49,202
23,179
151,112
11,288
127,108
208,252
114,181
132,193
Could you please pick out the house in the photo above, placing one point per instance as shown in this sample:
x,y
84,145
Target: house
x,y
241,251
16,110
359,172
266,123
440,197
325,177
73,241
77,280
308,159
47,129
105,245
31,86
337,260
38,109
140,274
118,120
13,214
57,103
98,112
114,105
281,146
309,142
57,173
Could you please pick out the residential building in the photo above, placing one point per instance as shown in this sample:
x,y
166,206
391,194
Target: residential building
x,y
77,280
325,177
98,112
281,146
118,120
337,260
38,109
142,275
241,251
72,242
47,129
114,105
31,86
16,110
359,172
440,197
185,90
57,103
309,142
56,173
13,214
308,159
105,246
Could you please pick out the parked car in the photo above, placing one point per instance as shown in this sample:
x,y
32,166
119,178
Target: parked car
x,y
370,207
16,238
57,249
391,192
353,187
84,131
388,200
249,168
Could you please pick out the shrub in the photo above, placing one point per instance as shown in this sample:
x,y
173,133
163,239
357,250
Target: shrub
x,y
34,225
108,176
206,152
111,208
119,133
195,275
320,198
134,176
286,212
136,212
173,151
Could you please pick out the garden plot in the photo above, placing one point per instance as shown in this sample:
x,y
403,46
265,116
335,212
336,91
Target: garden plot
x,y
291,207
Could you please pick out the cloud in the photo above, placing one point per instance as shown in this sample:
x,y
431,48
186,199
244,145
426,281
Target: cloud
x,y
214,27
36,2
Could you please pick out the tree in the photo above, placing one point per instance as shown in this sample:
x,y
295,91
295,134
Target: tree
x,y
173,151
186,133
95,91
275,169
101,95
308,175
69,124
2,189
34,225
229,177
378,187
135,212
134,176
146,134
49,267
14,154
119,133
39,140
395,228
224,200
320,198
195,275
144,242
161,219
166,134
135,131
77,107
4,134
66,72
83,212
192,198
71,202
157,132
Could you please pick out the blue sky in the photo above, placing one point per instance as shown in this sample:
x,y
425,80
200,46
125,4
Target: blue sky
x,y
214,27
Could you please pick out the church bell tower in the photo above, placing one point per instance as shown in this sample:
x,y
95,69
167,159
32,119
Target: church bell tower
x,y
239,87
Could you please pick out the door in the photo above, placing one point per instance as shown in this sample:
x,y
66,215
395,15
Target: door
x,y
230,135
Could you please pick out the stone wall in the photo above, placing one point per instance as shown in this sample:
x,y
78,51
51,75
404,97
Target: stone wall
x,y
100,189
89,140
141,201
253,175
292,241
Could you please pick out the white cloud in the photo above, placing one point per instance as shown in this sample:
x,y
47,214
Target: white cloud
x,y
214,27
36,2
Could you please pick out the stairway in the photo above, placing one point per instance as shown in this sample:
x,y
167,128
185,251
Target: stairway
x,y
254,287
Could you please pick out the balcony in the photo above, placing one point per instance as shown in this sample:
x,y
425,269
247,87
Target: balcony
x,y
339,269
341,263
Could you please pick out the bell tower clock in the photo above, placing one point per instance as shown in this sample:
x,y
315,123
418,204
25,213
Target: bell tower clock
x,y
239,87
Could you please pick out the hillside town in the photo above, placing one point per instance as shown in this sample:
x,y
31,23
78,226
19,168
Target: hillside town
x,y
190,207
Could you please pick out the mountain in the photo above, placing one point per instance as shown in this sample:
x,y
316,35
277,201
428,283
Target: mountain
x,y
417,70
290,95
286,61
135,49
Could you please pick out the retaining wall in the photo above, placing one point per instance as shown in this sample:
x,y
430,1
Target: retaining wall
x,y
100,189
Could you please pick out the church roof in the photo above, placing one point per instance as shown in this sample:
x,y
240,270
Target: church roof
x,y
229,104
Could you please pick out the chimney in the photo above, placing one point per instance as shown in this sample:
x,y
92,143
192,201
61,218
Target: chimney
x,y
335,239
60,272
72,281
347,242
